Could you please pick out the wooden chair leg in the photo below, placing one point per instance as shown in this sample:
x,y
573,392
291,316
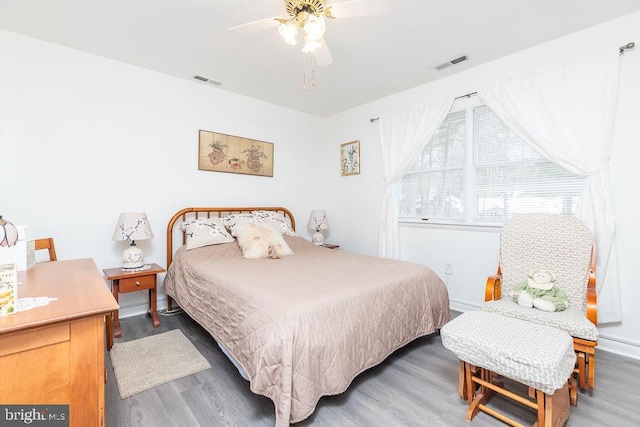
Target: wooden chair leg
x,y
592,371
462,381
541,400
556,407
573,391
470,386
586,364
478,385
479,402
582,369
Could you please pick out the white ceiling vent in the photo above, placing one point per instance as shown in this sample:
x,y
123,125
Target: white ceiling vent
x,y
207,80
452,62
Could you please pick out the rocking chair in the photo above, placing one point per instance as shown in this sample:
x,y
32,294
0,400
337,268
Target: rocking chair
x,y
564,245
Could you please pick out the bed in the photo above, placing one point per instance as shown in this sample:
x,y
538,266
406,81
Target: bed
x,y
305,325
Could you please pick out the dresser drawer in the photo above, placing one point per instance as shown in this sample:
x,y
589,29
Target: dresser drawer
x,y
137,283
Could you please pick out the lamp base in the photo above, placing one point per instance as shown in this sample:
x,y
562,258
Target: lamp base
x,y
132,257
318,238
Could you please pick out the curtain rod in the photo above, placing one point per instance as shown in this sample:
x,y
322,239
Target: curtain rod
x,y
466,95
627,46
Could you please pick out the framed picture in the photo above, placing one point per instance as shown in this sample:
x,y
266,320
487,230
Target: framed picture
x,y
350,158
219,152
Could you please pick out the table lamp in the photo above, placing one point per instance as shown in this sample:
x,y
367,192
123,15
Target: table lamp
x,y
8,233
132,227
318,221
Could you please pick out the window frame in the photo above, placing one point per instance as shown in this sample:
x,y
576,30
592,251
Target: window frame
x,y
468,222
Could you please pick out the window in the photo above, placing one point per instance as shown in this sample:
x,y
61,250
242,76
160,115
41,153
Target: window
x,y
475,169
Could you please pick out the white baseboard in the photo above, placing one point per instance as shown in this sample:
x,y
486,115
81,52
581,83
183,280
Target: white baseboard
x,y
613,346
462,306
137,309
609,345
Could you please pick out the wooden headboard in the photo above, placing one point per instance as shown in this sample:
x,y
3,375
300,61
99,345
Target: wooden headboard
x,y
188,214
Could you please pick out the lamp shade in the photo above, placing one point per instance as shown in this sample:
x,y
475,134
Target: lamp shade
x,y
132,226
8,233
318,220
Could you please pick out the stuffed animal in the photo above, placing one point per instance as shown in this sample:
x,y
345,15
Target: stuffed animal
x,y
272,252
540,291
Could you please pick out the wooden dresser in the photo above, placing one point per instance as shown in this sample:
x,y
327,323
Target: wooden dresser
x,y
55,354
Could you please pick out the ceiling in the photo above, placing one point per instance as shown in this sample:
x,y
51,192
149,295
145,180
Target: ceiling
x,y
372,56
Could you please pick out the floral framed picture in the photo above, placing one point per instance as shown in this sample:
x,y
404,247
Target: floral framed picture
x,y
219,152
350,158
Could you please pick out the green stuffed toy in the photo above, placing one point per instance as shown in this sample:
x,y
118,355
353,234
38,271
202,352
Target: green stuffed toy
x,y
540,292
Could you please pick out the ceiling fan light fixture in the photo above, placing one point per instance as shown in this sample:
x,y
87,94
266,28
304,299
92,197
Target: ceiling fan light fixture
x,y
288,30
309,18
306,16
314,28
297,7
310,45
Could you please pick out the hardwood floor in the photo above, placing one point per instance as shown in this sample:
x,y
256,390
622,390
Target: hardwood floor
x,y
415,386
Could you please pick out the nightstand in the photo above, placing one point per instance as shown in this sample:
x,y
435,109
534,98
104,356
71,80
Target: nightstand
x,y
131,281
329,246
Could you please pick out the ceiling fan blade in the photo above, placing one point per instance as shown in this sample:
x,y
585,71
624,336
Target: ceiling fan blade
x,y
323,55
255,26
353,8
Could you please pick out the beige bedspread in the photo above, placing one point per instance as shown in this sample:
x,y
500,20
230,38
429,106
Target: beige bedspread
x,y
306,325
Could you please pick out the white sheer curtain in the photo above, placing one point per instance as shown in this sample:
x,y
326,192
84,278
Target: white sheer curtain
x,y
402,136
567,113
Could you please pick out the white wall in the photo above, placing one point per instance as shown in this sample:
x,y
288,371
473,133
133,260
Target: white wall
x,y
356,201
83,138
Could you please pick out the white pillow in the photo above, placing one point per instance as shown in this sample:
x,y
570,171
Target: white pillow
x,y
274,219
205,232
234,220
255,240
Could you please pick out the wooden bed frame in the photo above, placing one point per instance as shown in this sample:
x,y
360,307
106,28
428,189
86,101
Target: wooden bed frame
x,y
188,214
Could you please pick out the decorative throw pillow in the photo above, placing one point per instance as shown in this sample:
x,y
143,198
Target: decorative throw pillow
x,y
259,240
234,220
205,232
274,219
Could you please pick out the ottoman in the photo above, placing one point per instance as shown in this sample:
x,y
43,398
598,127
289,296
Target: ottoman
x,y
489,345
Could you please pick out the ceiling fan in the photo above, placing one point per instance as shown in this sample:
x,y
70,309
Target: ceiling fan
x,y
308,18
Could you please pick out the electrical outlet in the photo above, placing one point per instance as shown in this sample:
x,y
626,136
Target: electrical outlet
x,y
448,268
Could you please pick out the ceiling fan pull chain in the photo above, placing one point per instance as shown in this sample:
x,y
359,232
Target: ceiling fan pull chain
x,y
313,70
304,71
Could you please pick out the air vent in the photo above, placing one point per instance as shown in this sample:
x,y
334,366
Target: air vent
x,y
207,80
452,62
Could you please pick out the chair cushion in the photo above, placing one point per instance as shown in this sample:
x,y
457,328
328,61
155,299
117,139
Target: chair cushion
x,y
558,243
536,355
571,320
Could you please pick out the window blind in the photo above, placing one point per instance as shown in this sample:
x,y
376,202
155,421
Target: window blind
x,y
433,186
476,169
512,178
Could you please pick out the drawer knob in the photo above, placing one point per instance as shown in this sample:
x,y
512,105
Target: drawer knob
x,y
137,283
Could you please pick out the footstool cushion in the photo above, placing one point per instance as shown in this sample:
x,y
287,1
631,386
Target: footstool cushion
x,y
536,355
